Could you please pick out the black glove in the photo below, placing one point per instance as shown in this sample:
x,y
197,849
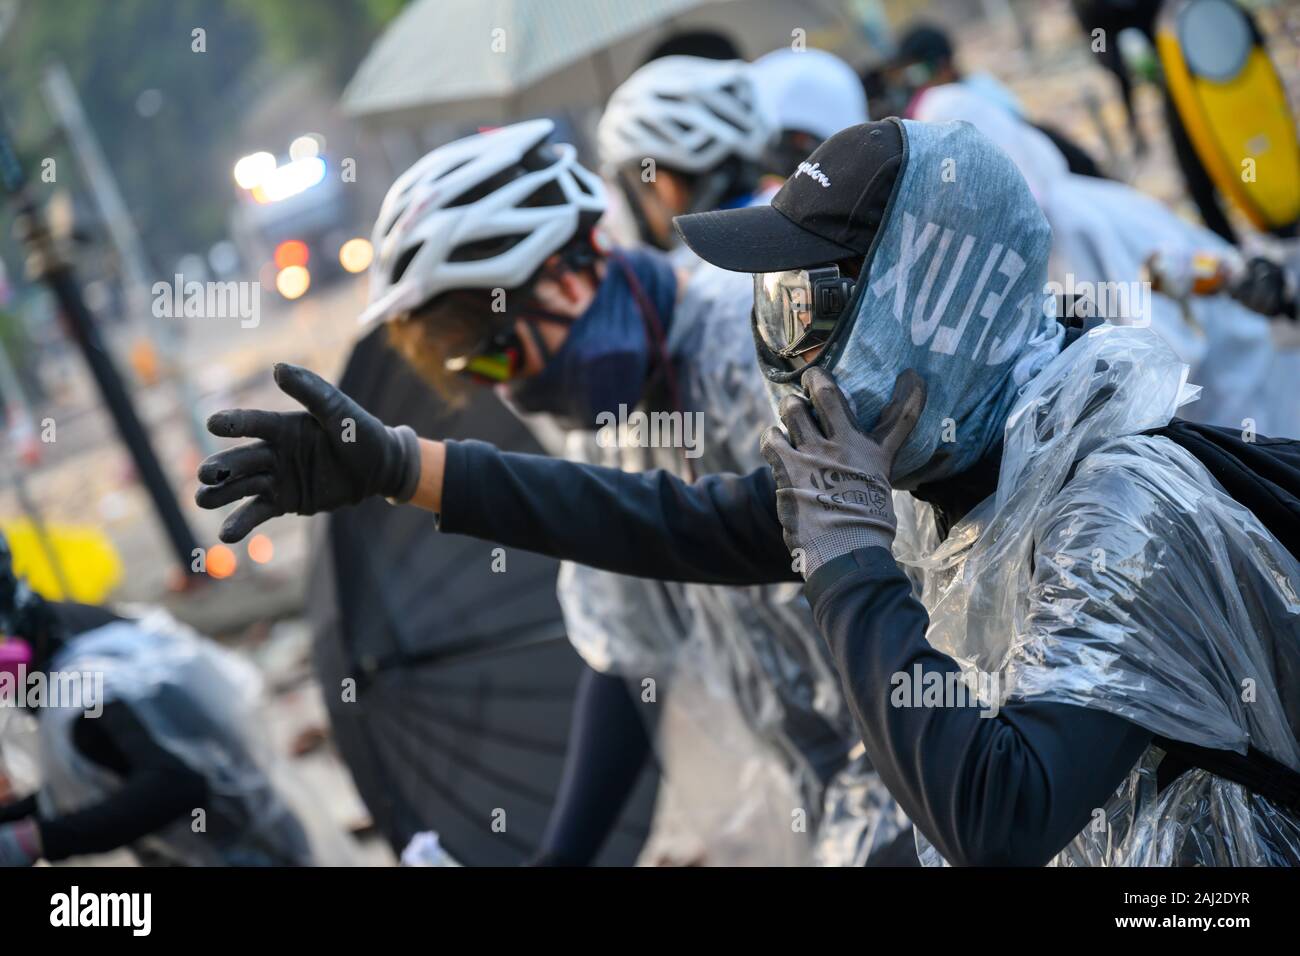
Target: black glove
x,y
334,454
1265,287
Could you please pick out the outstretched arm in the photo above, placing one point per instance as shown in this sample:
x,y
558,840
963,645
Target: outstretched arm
x,y
720,530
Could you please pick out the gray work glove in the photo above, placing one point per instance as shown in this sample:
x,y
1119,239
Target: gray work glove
x,y
333,454
833,494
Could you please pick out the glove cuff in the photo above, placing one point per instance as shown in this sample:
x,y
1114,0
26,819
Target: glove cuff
x,y
844,540
408,465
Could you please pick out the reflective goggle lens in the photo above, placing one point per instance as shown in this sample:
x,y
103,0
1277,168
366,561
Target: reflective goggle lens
x,y
489,366
783,309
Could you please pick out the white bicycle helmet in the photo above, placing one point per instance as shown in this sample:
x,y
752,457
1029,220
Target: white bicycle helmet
x,y
810,90
483,212
685,112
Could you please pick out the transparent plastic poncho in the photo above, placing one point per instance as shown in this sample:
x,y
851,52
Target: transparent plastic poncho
x,y
740,666
1110,570
202,704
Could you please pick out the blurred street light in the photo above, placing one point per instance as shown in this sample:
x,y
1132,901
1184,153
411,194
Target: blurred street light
x,y
307,146
289,180
293,282
355,255
291,252
252,169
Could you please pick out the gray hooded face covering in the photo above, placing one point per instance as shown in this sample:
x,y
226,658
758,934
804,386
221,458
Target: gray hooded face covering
x,y
953,287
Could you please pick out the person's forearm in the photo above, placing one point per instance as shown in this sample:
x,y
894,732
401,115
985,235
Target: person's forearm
x,y
18,809
1010,789
147,801
720,530
433,461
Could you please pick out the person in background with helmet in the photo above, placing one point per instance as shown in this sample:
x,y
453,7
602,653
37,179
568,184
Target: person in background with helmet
x,y
486,272
682,134
141,728
808,96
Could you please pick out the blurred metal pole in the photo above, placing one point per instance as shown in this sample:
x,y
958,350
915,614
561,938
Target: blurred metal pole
x,y
50,267
16,406
64,103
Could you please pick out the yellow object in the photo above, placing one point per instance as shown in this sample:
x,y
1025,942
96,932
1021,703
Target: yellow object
x,y
1234,107
88,560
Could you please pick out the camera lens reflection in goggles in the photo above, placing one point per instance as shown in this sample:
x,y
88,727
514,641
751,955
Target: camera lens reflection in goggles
x,y
797,310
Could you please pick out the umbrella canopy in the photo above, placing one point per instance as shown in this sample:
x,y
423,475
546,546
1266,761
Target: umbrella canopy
x,y
484,61
464,675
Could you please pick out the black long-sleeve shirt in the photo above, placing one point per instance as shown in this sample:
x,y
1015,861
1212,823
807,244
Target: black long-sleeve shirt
x,y
156,789
1008,789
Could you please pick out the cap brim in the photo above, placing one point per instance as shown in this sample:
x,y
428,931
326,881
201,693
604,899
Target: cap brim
x,y
756,239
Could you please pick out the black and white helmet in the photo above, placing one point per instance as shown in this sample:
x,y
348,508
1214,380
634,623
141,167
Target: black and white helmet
x,y
483,212
688,113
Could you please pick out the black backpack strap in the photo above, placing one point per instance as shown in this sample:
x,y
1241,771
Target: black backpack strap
x,y
1263,474
1254,770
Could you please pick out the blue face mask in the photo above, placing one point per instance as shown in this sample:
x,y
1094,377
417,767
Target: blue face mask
x,y
953,287
607,355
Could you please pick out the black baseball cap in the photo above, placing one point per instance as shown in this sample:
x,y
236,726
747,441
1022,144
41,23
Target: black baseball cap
x,y
829,209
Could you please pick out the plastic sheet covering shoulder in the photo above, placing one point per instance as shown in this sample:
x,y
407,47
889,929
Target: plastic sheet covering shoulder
x,y
755,742
202,704
1110,570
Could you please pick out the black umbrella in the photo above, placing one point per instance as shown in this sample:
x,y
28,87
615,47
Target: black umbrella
x,y
464,676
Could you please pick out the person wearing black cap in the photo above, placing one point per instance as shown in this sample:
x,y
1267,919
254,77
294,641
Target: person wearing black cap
x,y
970,506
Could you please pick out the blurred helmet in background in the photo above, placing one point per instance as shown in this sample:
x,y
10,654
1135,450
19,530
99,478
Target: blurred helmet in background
x,y
689,114
811,91
807,97
483,212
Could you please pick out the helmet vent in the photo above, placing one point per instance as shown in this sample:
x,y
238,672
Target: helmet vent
x,y
404,260
488,248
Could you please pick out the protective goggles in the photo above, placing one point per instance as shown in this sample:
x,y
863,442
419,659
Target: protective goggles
x,y
499,359
797,310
